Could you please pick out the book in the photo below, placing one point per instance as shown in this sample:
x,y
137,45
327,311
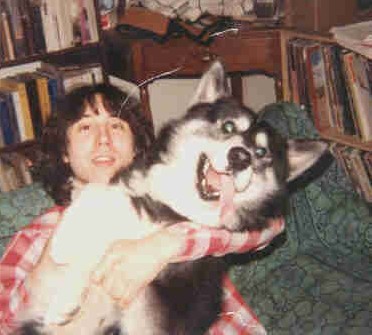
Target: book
x,y
91,20
5,34
300,69
64,23
317,87
367,161
43,95
5,185
2,141
17,29
21,106
8,96
27,24
16,69
17,166
15,110
356,37
364,181
49,23
358,82
344,104
37,26
74,77
52,72
354,163
351,170
292,74
331,78
33,98
5,121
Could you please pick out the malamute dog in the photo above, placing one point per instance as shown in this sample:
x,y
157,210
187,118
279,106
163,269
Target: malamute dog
x,y
217,166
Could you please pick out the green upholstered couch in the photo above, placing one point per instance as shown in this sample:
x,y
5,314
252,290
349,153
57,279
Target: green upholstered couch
x,y
315,279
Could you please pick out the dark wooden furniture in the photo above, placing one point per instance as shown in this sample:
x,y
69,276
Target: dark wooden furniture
x,y
245,52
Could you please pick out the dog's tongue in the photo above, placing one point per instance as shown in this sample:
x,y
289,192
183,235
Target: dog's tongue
x,y
226,198
225,185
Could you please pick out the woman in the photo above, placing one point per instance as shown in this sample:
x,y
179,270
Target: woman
x,y
89,140
96,132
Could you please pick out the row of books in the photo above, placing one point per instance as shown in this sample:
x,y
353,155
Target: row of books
x,y
14,171
29,27
358,167
335,83
28,98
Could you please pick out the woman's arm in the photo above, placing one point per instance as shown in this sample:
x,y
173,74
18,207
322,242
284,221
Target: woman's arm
x,y
130,265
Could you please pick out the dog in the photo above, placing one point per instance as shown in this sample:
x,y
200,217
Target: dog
x,y
218,166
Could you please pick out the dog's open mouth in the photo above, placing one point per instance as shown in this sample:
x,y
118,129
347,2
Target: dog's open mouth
x,y
213,184
208,180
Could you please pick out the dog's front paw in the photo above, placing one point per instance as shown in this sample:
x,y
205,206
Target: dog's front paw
x,y
60,318
68,298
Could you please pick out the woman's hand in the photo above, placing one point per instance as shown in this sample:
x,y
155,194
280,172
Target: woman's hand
x,y
130,265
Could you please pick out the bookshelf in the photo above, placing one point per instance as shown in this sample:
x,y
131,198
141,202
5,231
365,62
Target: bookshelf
x,y
329,133
334,85
61,36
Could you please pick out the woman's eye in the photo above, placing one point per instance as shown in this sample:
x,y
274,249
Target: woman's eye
x,y
117,126
84,128
261,152
228,127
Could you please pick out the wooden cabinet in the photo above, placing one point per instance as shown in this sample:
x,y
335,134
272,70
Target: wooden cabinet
x,y
248,51
319,15
244,52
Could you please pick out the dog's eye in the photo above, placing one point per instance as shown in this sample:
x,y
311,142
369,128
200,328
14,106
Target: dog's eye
x,y
261,152
228,127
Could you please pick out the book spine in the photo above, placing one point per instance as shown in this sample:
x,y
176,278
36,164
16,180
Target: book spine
x,y
26,112
7,40
317,87
17,30
37,26
33,99
360,92
5,122
12,117
44,99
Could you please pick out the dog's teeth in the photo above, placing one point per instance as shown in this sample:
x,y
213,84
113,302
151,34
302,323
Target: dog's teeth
x,y
206,167
204,183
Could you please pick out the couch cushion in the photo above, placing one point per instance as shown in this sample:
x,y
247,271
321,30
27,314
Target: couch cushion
x,y
304,296
328,214
18,208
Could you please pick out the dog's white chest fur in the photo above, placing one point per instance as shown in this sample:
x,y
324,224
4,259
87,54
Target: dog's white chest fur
x,y
100,215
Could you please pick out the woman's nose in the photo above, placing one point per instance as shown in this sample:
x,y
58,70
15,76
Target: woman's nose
x,y
104,135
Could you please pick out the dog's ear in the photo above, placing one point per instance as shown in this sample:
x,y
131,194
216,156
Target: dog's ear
x,y
303,154
213,85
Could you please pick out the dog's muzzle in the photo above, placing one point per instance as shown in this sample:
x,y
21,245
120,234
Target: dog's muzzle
x,y
211,183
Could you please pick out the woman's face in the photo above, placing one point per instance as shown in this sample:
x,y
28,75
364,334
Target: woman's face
x,y
98,145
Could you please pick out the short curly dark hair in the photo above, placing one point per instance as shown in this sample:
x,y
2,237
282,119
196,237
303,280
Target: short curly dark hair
x,y
51,169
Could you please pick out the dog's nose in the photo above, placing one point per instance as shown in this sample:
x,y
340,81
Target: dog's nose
x,y
238,158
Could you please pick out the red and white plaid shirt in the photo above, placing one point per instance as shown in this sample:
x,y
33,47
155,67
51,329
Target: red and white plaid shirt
x,y
26,247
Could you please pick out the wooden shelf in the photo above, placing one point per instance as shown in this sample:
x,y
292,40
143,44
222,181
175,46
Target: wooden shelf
x,y
53,56
348,140
18,146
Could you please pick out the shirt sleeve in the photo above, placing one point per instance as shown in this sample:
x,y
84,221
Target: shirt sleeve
x,y
205,241
19,258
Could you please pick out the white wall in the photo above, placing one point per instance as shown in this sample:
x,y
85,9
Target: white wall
x,y
169,97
